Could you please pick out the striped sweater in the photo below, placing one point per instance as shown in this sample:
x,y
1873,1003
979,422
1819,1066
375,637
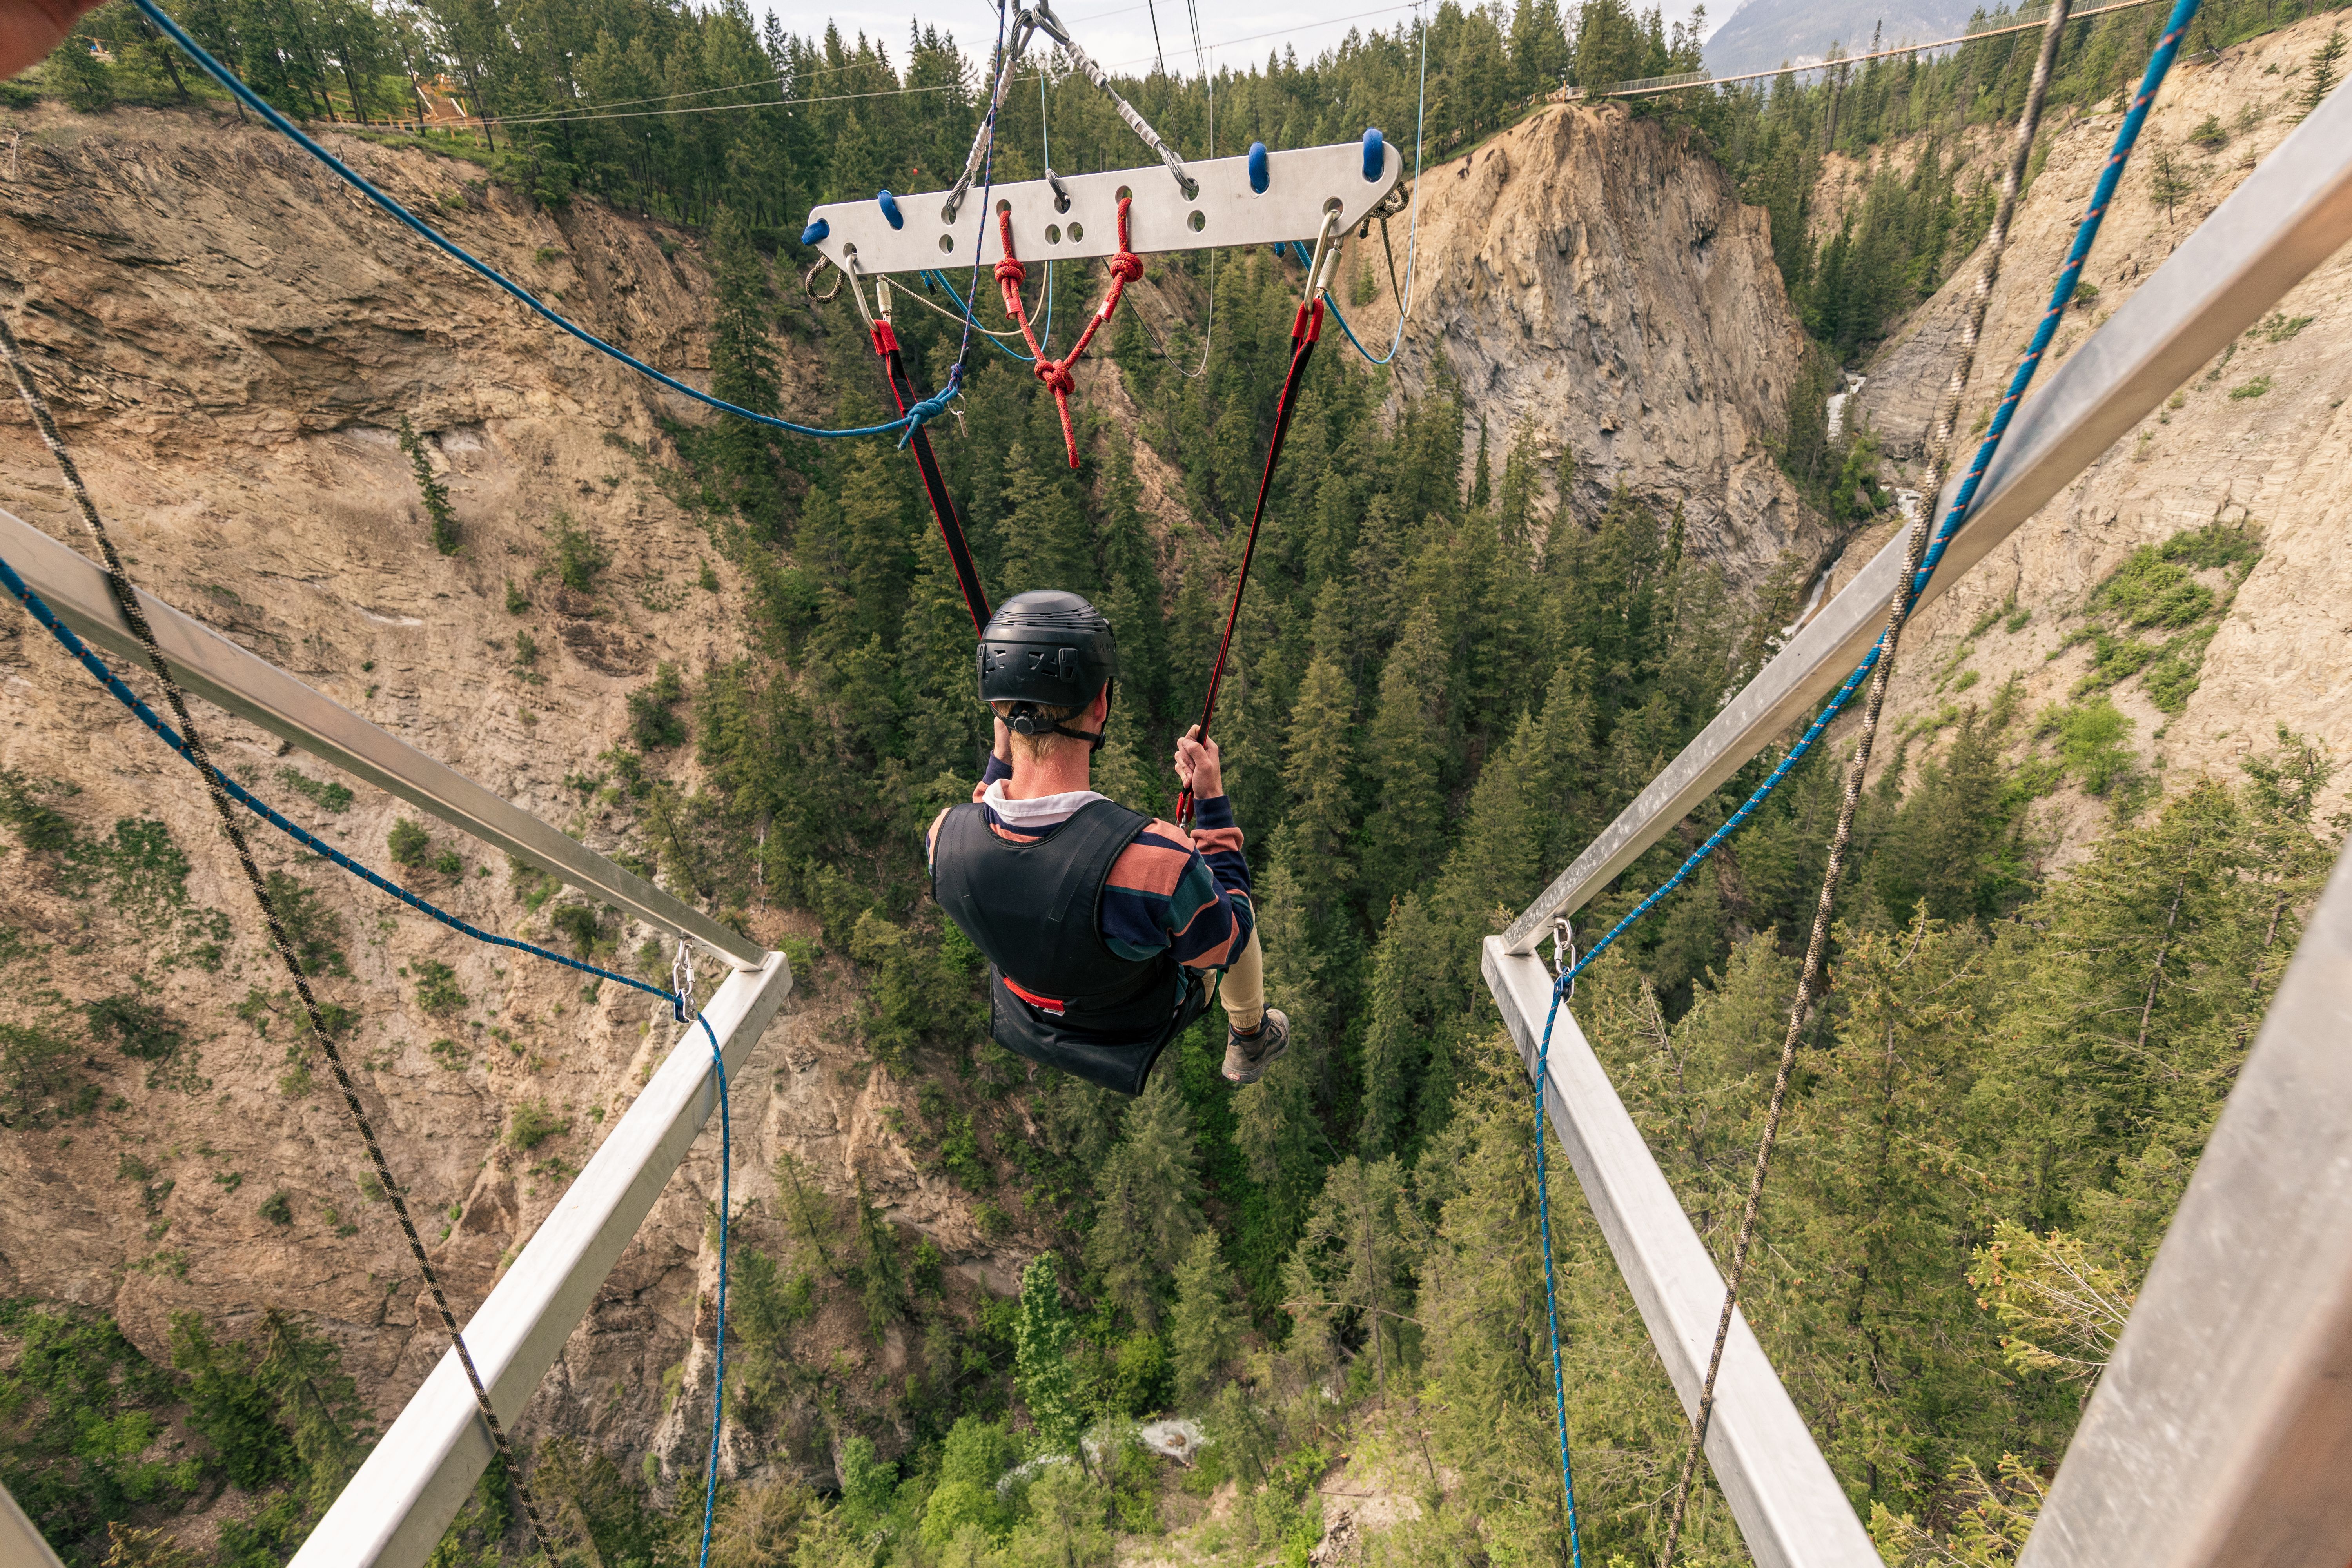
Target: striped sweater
x,y
1167,892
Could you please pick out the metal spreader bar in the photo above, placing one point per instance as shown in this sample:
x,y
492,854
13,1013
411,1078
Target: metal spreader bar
x,y
1302,189
221,672
2292,213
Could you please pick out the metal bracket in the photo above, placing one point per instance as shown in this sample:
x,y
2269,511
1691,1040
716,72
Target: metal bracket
x,y
1301,188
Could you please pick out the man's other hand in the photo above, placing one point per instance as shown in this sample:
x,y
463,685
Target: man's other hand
x,y
31,29
1197,765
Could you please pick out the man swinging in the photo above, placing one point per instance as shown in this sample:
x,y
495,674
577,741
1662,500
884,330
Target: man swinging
x,y
1101,925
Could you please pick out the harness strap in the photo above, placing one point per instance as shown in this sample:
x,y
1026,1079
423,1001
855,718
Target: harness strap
x,y
1126,266
1303,329
935,484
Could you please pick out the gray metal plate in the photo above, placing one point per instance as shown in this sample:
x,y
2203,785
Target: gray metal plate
x,y
1298,186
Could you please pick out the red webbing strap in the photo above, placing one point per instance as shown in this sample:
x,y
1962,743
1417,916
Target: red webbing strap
x,y
1304,329
1126,266
935,484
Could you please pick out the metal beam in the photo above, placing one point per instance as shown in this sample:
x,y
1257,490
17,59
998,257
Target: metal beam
x,y
2222,1432
20,1543
395,1510
1792,1511
221,672
2290,214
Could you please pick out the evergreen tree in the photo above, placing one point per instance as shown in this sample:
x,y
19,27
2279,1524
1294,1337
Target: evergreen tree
x,y
441,519
1045,543
1407,1068
1353,1265
1404,834
1316,764
2326,70
1150,1202
1205,1330
318,1405
882,1284
1041,1336
744,371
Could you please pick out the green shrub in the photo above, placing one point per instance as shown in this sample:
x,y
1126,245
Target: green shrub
x,y
532,1124
407,843
143,1031
316,930
654,723
329,796
437,987
2255,388
37,825
516,603
578,557
582,924
278,1208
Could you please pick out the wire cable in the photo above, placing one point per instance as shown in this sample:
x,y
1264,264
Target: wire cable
x,y
433,237
1412,232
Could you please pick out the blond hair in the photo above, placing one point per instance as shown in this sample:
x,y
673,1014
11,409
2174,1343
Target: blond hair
x,y
1038,747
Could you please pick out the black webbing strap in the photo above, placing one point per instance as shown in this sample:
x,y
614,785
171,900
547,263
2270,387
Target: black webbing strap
x,y
935,484
1305,327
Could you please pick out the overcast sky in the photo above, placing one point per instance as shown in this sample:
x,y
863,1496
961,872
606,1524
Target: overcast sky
x,y
1119,32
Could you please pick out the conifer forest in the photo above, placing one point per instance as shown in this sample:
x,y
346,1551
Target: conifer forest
x,y
1441,690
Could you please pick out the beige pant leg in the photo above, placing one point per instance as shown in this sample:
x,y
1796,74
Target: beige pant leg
x,y
1243,989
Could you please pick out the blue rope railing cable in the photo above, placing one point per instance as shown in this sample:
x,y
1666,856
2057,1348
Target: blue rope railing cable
x,y
1551,1286
2062,293
432,236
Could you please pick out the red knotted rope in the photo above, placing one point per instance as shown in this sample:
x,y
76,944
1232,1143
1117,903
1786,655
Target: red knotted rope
x,y
1126,266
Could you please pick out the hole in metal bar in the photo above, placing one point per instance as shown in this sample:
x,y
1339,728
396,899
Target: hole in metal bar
x,y
1077,233
1004,205
1199,221
1053,234
947,244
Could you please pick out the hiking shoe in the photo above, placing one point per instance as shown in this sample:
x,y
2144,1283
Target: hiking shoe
x,y
1248,1056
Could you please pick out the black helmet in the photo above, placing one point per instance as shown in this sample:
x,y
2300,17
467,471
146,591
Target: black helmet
x,y
1043,650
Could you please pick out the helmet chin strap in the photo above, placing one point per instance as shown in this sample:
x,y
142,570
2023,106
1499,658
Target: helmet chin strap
x,y
1024,721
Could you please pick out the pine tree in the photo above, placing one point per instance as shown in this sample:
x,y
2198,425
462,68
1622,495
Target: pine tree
x,y
84,81
1205,1330
1041,1336
743,370
883,1285
1353,1265
2326,70
1404,1061
1150,1202
877,533
318,1403
1404,833
1045,543
1316,767
1131,596
441,519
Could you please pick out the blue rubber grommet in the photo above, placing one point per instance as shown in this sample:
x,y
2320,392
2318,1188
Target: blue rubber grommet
x,y
817,229
1259,178
1375,153
890,210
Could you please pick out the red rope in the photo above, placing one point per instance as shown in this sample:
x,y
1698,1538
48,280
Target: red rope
x,y
1126,266
1303,329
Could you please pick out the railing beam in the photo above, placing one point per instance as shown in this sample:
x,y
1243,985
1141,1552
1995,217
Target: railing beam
x,y
2221,1431
395,1510
227,675
2290,214
1791,1509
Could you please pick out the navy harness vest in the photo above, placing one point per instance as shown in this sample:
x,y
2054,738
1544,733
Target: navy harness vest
x,y
1033,909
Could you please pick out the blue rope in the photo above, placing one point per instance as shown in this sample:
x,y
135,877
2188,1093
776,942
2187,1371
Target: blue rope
x,y
359,182
942,280
2060,294
718,1376
2103,193
1552,1289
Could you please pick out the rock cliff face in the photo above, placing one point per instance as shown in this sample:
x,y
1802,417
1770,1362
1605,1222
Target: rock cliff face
x,y
231,341
1596,283
2261,436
